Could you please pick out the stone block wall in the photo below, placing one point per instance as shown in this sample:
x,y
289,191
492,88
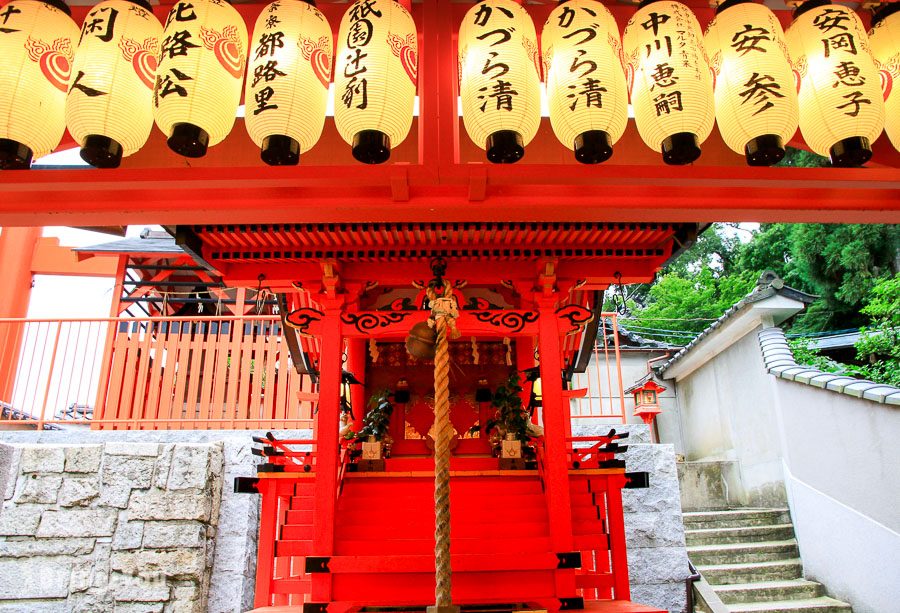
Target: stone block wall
x,y
115,526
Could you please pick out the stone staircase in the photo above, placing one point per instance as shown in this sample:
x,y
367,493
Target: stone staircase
x,y
751,560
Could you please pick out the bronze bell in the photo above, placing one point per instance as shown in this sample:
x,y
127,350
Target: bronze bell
x,y
421,340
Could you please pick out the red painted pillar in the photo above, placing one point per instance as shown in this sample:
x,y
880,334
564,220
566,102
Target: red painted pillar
x,y
327,446
559,502
525,360
268,532
16,251
356,363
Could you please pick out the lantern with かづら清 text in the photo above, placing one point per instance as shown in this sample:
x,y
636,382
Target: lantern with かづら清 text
x,y
885,40
755,89
376,71
108,107
285,113
37,46
500,86
586,87
198,81
672,89
841,101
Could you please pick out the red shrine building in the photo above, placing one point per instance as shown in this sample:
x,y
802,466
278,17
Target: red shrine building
x,y
403,242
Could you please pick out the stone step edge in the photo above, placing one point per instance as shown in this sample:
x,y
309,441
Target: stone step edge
x,y
751,529
761,585
799,604
732,512
740,547
749,565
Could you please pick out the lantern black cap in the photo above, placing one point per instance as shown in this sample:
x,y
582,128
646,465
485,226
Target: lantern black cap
x,y
280,150
143,4
504,147
647,3
593,147
101,151
809,5
14,155
371,147
883,12
727,4
764,150
59,4
188,140
680,149
850,152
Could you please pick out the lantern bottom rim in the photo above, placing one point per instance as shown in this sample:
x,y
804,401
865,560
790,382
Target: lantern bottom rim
x,y
101,151
504,147
188,140
15,155
593,147
764,150
851,152
371,147
280,150
681,148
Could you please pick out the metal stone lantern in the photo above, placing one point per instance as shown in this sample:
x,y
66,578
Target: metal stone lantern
x,y
646,399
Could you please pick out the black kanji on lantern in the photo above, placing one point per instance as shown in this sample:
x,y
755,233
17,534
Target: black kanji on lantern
x,y
177,44
663,76
855,99
760,90
268,43
749,39
87,91
842,41
166,86
357,89
8,12
266,72
587,66
99,25
831,19
666,103
591,92
501,92
847,74
183,11
262,98
500,68
654,21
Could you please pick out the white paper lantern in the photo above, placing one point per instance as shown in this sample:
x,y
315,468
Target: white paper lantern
x,y
376,68
841,103
885,40
198,82
37,45
756,94
500,78
285,113
109,105
586,86
672,90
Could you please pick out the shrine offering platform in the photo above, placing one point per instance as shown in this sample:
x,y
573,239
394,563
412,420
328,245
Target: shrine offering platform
x,y
600,606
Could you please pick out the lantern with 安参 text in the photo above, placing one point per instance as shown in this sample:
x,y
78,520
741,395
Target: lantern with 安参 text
x,y
108,107
672,89
500,84
585,81
198,82
755,90
376,70
285,114
37,45
841,102
885,41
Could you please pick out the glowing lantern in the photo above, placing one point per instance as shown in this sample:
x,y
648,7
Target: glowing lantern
x,y
375,78
756,96
885,40
585,81
672,89
285,114
500,79
37,44
198,82
841,104
108,107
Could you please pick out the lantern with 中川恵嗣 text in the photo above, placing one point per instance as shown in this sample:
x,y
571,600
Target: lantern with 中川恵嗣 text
x,y
841,101
885,41
37,46
500,83
671,82
586,88
755,89
285,113
198,81
108,107
376,71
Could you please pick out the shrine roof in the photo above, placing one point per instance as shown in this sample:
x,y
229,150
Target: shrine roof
x,y
148,242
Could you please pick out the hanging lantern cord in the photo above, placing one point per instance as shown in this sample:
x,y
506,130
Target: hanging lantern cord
x,y
619,295
444,311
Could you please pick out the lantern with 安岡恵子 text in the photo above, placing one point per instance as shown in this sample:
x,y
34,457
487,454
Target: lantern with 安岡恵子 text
x,y
885,41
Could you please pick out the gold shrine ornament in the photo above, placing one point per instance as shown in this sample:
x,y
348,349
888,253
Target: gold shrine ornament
x,y
671,82
198,81
500,83
285,115
109,104
885,40
37,47
586,87
841,101
376,71
755,89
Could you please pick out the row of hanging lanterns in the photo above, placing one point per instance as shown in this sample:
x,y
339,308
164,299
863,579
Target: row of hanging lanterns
x,y
128,71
